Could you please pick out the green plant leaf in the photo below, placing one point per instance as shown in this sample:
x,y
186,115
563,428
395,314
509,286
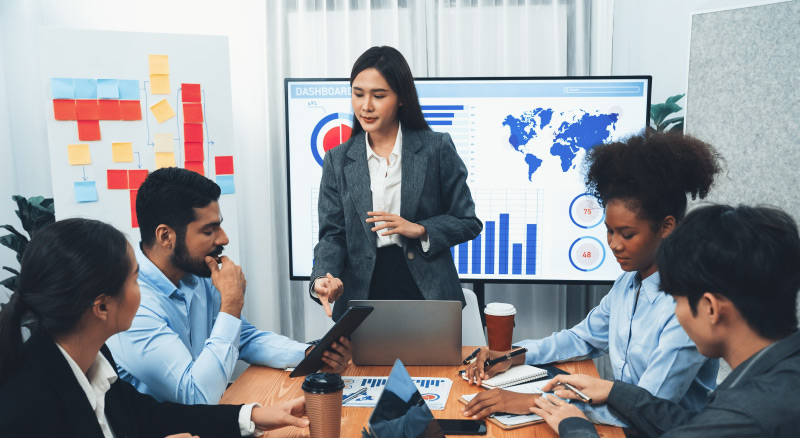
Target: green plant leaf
x,y
676,128
14,232
675,98
35,212
10,283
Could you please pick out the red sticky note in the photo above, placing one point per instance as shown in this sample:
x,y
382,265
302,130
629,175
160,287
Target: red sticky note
x,y
190,92
87,109
223,165
88,130
136,178
117,179
134,219
109,110
130,110
196,166
193,112
193,151
64,109
193,132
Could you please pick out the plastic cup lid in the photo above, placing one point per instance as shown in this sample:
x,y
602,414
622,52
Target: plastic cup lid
x,y
500,309
322,383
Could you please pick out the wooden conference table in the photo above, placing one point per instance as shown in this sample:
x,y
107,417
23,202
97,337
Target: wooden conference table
x,y
269,386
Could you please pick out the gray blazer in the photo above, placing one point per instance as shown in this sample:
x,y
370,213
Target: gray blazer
x,y
433,193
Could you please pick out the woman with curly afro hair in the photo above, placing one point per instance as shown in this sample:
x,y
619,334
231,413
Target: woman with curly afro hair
x,y
643,183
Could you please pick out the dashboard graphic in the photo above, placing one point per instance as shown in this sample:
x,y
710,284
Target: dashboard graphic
x,y
523,143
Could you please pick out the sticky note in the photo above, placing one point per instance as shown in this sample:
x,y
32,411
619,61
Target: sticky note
x,y
63,88
107,89
190,92
193,151
85,191
117,179
195,166
64,109
223,165
162,111
86,88
193,132
79,154
225,183
129,89
159,64
87,109
163,143
165,159
136,178
193,113
130,110
134,219
122,152
109,110
159,84
88,130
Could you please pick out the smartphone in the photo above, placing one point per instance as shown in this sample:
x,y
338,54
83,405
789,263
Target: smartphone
x,y
463,427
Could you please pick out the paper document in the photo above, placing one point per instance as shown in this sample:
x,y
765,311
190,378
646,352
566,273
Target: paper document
x,y
433,390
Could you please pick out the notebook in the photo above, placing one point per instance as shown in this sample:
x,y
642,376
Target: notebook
x,y
513,376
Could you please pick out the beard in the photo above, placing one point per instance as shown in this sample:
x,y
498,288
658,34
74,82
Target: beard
x,y
185,262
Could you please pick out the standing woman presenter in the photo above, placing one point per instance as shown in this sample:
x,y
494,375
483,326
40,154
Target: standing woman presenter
x,y
393,198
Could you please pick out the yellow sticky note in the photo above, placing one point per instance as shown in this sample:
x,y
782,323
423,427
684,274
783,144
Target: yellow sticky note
x,y
163,143
165,159
79,154
122,152
162,111
159,84
159,64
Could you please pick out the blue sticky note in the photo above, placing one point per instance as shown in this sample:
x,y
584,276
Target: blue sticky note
x,y
128,89
86,88
63,88
107,89
85,191
225,183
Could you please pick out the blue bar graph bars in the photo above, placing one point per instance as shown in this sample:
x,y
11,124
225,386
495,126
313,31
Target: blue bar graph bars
x,y
494,252
440,115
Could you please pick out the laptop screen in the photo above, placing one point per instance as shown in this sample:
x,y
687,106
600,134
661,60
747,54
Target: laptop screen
x,y
401,412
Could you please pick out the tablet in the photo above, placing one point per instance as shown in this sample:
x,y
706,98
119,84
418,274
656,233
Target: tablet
x,y
345,327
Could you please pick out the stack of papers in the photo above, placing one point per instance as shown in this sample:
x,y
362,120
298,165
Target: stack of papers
x,y
434,390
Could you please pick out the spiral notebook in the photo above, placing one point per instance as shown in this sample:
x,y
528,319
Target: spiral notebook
x,y
514,376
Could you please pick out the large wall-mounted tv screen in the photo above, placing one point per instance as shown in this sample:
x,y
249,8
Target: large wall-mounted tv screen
x,y
523,141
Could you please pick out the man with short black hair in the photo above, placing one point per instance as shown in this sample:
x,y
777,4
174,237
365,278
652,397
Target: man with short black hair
x,y
189,332
735,275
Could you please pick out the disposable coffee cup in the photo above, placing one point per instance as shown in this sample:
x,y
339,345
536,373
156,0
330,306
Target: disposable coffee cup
x,y
323,392
500,325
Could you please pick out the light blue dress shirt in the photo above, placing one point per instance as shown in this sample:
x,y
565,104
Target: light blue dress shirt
x,y
180,348
647,347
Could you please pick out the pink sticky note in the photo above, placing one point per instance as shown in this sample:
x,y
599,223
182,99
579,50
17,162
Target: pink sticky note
x,y
87,109
223,165
109,110
190,92
88,130
196,166
193,113
136,178
193,151
193,132
117,179
130,109
64,109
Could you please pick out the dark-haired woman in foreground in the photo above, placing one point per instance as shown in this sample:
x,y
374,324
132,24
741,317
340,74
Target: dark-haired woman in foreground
x,y
643,184
78,283
393,198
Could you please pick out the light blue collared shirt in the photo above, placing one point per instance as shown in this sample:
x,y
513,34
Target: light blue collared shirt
x,y
180,348
647,348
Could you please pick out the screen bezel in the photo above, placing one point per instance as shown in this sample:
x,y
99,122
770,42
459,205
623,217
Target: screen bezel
x,y
288,81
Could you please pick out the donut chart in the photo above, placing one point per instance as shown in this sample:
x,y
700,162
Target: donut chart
x,y
587,253
586,212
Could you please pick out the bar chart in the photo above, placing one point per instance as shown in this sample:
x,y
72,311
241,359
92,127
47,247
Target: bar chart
x,y
455,120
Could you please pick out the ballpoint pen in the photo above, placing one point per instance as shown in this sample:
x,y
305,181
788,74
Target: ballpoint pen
x,y
505,357
471,358
354,395
582,396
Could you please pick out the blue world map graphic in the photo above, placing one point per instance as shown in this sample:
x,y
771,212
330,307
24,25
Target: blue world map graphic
x,y
565,133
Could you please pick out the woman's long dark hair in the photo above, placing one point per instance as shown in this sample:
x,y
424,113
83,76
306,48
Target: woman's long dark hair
x,y
393,67
65,267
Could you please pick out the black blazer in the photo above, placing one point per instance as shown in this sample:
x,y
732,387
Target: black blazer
x,y
43,399
433,193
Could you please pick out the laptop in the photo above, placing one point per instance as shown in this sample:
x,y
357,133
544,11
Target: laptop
x,y
401,412
418,332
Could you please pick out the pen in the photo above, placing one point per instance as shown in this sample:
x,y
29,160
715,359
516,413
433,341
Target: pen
x,y
504,358
577,392
469,359
354,395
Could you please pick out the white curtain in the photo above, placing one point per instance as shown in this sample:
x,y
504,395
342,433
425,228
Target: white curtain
x,y
439,38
